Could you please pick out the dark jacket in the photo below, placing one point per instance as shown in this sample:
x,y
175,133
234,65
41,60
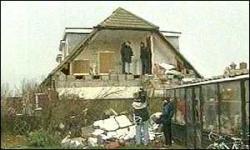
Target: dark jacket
x,y
143,113
145,53
167,113
126,53
143,96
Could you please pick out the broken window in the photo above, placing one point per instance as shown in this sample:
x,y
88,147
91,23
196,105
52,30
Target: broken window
x,y
210,114
80,67
179,66
247,104
180,106
230,117
106,62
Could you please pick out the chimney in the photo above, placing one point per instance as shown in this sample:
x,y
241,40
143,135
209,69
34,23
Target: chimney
x,y
243,65
233,66
59,58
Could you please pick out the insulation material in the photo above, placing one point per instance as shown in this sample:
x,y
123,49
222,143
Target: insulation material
x,y
174,72
100,92
109,124
123,121
98,123
111,134
188,79
167,66
97,132
92,141
121,133
131,133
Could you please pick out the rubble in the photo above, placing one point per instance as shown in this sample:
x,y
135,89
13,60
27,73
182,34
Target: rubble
x,y
78,142
111,133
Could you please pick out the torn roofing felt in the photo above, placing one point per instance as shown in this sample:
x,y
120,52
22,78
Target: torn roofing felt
x,y
119,19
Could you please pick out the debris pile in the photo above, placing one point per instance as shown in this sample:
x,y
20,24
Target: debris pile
x,y
113,132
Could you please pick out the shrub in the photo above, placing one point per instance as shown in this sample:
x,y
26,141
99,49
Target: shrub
x,y
42,138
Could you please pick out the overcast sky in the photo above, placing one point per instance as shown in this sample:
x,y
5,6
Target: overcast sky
x,y
213,33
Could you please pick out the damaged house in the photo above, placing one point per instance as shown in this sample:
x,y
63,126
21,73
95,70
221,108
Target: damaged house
x,y
90,63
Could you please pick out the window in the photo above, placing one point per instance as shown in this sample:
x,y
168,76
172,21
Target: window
x,y
197,104
180,106
210,108
179,66
106,62
80,67
230,117
189,105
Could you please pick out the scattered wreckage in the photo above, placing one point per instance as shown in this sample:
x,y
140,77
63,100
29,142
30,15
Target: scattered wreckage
x,y
113,132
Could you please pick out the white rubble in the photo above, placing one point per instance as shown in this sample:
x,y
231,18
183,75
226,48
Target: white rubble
x,y
61,126
98,132
121,133
77,142
123,121
167,66
92,141
98,123
109,124
188,79
119,127
174,72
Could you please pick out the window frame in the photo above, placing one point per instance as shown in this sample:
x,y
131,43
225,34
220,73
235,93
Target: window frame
x,y
99,61
83,73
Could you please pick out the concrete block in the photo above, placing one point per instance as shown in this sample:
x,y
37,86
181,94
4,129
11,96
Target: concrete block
x,y
121,77
129,77
113,77
88,77
147,77
71,78
105,77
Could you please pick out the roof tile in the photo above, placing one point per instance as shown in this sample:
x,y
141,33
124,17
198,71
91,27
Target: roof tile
x,y
123,18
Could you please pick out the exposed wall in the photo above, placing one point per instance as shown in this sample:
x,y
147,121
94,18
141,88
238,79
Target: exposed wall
x,y
73,39
174,40
111,40
162,52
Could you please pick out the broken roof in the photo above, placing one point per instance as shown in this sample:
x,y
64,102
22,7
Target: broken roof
x,y
125,19
119,19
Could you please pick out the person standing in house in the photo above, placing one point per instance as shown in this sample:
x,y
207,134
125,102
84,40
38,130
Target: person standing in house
x,y
122,56
167,114
126,55
141,117
145,59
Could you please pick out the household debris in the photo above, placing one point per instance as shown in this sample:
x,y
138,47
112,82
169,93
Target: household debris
x,y
113,132
77,142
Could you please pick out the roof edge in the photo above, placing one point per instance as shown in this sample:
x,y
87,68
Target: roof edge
x,y
179,54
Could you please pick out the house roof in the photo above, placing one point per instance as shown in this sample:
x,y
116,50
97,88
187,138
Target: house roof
x,y
117,20
179,54
122,18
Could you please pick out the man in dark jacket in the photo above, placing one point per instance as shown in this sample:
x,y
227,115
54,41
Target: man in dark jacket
x,y
126,55
145,59
142,95
141,116
167,114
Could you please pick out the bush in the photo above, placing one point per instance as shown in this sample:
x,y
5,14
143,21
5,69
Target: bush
x,y
42,138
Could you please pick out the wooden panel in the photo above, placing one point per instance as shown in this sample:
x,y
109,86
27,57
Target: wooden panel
x,y
81,66
106,62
